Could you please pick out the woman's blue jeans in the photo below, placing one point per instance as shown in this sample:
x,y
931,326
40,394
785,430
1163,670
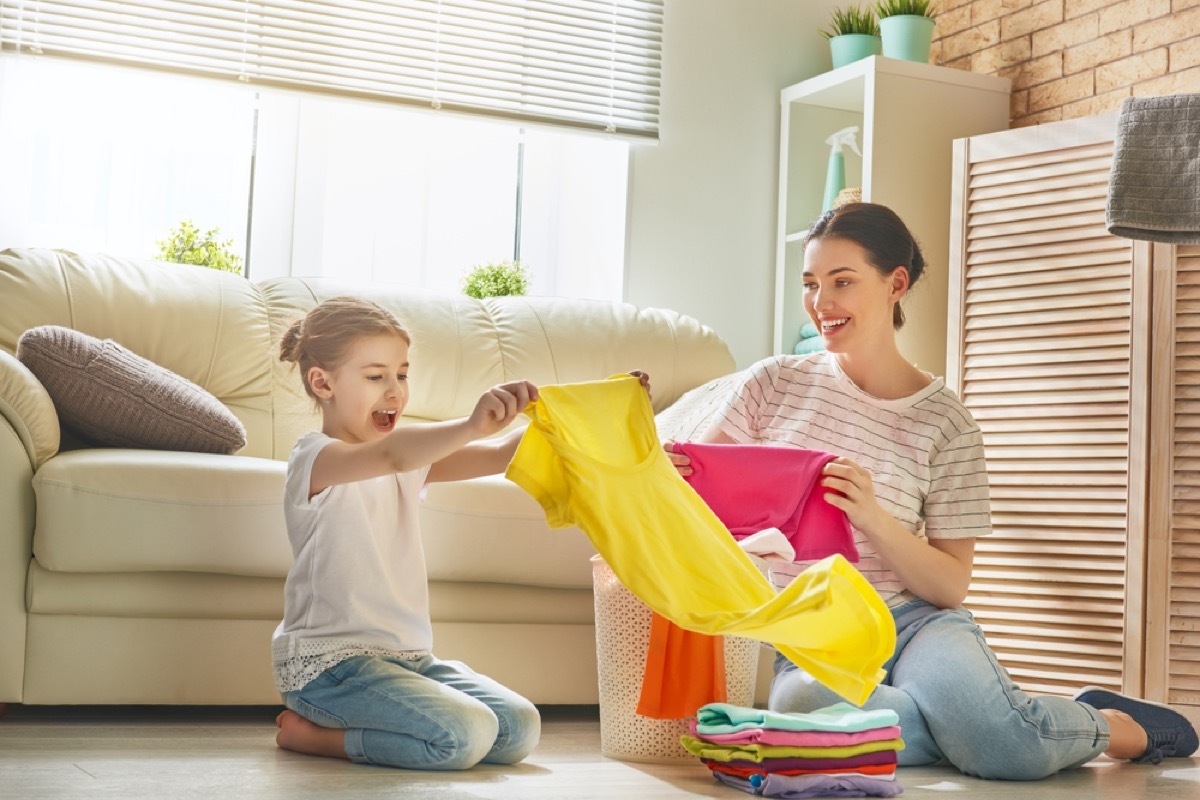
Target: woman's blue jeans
x,y
427,714
957,704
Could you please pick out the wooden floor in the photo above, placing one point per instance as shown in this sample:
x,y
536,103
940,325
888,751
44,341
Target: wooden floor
x,y
164,753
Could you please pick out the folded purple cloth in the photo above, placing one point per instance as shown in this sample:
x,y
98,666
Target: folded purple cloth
x,y
797,787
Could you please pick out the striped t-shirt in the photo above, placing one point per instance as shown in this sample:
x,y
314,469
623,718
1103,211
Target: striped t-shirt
x,y
924,452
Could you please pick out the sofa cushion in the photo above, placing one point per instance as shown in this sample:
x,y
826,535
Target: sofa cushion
x,y
105,510
115,397
488,530
153,511
462,346
691,414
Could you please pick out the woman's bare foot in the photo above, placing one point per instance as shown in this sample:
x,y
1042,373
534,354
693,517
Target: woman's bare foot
x,y
298,734
1126,739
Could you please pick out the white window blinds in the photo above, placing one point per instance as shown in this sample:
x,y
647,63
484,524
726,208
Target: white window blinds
x,y
591,64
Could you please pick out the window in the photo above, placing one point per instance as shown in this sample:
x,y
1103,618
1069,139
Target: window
x,y
102,158
591,64
106,159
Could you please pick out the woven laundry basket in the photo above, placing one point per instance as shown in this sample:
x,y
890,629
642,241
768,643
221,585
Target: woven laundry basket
x,y
622,641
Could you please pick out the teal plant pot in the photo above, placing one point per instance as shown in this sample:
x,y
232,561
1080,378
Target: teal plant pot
x,y
850,47
907,36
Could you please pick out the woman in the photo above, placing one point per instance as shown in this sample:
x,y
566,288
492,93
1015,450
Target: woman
x,y
912,480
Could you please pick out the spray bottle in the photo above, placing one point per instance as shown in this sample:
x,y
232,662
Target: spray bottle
x,y
835,175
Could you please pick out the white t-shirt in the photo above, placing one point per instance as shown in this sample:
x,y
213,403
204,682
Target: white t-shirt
x,y
924,452
358,583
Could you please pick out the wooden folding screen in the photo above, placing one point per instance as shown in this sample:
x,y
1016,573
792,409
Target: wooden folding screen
x,y
1048,348
1173,553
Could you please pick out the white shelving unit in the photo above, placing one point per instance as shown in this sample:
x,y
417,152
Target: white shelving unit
x,y
908,115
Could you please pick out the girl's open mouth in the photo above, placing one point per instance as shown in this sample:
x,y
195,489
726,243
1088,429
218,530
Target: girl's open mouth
x,y
384,421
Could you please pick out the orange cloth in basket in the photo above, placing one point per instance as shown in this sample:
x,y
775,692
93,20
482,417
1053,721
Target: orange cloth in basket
x,y
684,670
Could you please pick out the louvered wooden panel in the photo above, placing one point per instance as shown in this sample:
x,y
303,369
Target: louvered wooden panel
x,y
1183,553
1043,301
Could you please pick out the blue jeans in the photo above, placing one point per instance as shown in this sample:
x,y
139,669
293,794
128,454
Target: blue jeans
x,y
957,705
427,714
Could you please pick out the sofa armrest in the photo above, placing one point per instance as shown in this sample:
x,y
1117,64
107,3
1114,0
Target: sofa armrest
x,y
28,409
17,455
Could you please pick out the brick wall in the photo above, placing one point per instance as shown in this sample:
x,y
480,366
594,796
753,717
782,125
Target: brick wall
x,y
1073,58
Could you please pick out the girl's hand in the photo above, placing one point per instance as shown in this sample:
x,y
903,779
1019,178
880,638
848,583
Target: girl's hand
x,y
681,463
854,493
500,405
643,379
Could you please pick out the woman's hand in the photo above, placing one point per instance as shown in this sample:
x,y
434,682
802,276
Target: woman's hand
x,y
681,463
938,571
500,405
853,491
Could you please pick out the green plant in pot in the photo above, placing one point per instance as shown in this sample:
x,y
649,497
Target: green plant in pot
x,y
906,27
186,245
853,33
496,279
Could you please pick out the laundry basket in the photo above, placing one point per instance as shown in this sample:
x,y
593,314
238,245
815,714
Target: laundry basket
x,y
622,641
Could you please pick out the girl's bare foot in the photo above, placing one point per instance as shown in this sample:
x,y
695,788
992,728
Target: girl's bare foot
x,y
299,734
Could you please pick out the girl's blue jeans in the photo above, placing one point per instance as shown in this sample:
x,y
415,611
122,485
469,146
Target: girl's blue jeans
x,y
427,714
957,705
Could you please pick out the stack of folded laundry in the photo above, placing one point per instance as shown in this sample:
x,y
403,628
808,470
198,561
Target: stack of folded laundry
x,y
810,340
837,751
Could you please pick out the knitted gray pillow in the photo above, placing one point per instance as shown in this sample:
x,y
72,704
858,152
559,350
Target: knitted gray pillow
x,y
115,397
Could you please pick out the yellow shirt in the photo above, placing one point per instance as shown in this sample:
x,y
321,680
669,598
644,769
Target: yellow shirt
x,y
592,458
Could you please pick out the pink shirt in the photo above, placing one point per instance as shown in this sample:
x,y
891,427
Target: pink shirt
x,y
754,487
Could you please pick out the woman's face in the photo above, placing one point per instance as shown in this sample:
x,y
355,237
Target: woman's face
x,y
848,299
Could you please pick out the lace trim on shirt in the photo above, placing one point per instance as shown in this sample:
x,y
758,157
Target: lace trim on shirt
x,y
298,661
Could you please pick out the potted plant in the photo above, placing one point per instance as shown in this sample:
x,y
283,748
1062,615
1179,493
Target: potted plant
x,y
186,245
496,279
853,34
906,27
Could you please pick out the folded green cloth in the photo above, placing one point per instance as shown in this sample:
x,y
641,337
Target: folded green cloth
x,y
841,716
808,330
806,346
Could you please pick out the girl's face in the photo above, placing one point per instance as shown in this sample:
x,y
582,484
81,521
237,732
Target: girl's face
x,y
847,298
363,397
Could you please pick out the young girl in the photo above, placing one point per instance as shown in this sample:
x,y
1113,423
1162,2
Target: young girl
x,y
912,480
353,656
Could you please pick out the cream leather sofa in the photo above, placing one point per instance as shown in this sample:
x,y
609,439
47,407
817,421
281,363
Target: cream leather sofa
x,y
155,577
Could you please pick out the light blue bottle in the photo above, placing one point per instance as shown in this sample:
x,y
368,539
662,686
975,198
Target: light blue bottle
x,y
835,174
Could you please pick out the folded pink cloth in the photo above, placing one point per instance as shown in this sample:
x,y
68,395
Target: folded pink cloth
x,y
752,487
